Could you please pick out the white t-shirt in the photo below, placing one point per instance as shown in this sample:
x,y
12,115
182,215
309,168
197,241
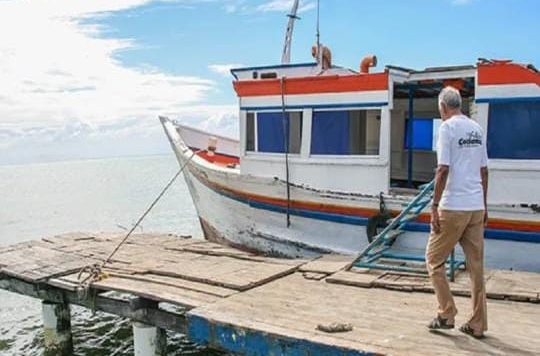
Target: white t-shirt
x,y
462,147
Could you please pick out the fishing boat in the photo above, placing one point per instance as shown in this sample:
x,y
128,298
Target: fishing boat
x,y
325,154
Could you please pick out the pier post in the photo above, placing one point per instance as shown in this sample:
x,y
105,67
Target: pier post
x,y
56,329
149,340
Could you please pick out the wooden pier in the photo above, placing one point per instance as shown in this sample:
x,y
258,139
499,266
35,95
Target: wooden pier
x,y
244,303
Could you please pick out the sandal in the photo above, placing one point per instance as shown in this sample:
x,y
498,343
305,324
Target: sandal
x,y
466,329
440,323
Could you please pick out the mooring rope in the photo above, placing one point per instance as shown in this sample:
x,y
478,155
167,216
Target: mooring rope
x,y
94,272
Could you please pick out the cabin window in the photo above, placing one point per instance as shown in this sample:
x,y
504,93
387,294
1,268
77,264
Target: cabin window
x,y
272,129
514,130
354,132
250,131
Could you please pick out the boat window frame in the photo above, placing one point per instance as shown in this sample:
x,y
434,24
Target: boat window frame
x,y
355,157
489,131
254,118
256,152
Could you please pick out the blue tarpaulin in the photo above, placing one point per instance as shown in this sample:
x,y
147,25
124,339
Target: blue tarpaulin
x,y
422,134
270,132
514,130
330,133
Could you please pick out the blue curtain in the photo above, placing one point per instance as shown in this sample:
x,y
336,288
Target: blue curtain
x,y
330,133
270,132
422,134
514,130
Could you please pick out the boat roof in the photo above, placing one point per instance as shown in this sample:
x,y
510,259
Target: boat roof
x,y
311,68
288,70
433,69
309,78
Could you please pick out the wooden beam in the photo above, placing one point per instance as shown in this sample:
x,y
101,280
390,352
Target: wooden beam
x,y
107,304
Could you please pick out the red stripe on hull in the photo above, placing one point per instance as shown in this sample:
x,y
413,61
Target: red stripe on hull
x,y
313,85
219,159
502,224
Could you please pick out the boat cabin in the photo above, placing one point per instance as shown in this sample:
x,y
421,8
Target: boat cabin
x,y
367,133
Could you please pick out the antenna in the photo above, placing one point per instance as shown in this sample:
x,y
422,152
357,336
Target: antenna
x,y
286,56
318,35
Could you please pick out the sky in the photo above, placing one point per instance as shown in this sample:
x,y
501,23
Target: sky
x,y
87,79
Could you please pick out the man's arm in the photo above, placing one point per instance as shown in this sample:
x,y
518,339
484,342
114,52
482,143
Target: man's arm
x,y
444,152
484,174
441,177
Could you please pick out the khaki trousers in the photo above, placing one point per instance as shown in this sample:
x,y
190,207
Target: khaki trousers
x,y
467,228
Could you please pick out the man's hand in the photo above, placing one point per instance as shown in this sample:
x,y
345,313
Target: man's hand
x,y
485,217
435,220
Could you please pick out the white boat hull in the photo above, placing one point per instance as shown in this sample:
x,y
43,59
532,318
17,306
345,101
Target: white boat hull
x,y
228,216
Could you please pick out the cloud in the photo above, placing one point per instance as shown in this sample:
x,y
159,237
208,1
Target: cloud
x,y
224,69
232,6
461,2
55,68
60,82
78,139
285,5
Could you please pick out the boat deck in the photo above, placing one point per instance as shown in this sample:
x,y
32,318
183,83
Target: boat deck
x,y
241,302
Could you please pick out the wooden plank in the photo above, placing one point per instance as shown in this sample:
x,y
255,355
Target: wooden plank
x,y
125,268
178,244
156,291
12,257
519,286
12,252
36,263
164,280
401,281
384,321
409,282
68,239
154,239
223,271
39,272
204,247
356,279
327,264
185,284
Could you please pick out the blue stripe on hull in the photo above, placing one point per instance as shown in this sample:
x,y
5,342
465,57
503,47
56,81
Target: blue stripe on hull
x,y
507,100
493,234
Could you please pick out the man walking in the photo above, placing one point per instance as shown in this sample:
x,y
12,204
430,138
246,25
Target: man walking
x,y
458,212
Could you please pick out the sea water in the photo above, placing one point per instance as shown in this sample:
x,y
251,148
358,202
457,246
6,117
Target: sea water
x,y
39,200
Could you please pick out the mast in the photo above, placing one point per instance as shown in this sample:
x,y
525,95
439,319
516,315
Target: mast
x,y
286,56
319,54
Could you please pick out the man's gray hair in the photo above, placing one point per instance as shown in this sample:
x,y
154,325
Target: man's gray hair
x,y
450,97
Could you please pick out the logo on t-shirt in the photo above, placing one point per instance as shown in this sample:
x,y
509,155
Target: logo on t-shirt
x,y
472,139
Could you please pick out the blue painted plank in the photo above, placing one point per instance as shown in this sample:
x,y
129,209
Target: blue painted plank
x,y
256,342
